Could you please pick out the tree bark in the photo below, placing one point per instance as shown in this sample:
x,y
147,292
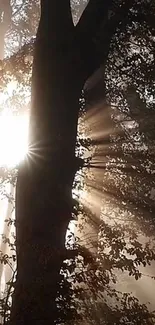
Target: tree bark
x,y
44,185
45,178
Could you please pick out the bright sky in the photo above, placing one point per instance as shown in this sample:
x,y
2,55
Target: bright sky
x,y
13,133
13,139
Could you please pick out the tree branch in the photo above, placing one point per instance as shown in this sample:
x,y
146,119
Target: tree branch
x,y
54,27
109,29
120,15
95,15
95,12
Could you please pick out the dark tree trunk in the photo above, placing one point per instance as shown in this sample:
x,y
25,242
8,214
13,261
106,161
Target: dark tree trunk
x,y
43,194
44,185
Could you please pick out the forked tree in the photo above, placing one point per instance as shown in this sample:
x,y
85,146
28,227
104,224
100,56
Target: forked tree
x,y
65,56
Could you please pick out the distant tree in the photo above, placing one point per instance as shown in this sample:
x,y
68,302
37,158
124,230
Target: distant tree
x,y
5,20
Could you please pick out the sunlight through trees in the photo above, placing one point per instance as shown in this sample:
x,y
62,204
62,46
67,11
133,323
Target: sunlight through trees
x,y
85,201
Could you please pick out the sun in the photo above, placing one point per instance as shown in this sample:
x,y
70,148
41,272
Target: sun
x,y
13,139
13,130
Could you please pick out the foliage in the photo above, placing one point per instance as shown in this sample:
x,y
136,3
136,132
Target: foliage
x,y
123,183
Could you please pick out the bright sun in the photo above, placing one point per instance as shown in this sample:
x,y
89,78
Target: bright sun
x,y
13,139
13,131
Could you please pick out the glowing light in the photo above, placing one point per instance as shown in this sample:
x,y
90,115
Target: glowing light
x,y
13,139
8,91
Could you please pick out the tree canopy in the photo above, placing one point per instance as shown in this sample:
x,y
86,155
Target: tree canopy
x,y
98,70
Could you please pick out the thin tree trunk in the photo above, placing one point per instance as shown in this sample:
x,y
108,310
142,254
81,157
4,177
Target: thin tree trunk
x,y
5,20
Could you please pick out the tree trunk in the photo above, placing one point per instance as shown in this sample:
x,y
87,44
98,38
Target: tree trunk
x,y
44,185
5,20
64,58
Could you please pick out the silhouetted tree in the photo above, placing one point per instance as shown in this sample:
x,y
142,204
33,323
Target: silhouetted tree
x,y
65,57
